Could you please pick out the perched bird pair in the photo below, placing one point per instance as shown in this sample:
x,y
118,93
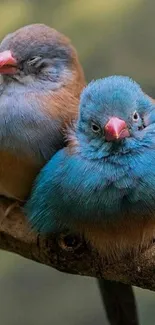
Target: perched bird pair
x,y
41,81
106,176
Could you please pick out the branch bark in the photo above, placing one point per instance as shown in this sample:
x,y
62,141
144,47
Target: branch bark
x,y
70,253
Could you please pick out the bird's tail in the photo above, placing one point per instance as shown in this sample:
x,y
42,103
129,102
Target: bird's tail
x,y
119,301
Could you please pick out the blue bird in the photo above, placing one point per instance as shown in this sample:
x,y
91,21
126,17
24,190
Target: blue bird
x,y
103,184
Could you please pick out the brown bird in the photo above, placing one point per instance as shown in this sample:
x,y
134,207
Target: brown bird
x,y
41,81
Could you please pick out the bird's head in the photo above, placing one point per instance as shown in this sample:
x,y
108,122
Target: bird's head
x,y
38,52
115,115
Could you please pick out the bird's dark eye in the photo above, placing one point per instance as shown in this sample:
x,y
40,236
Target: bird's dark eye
x,y
95,127
135,116
33,60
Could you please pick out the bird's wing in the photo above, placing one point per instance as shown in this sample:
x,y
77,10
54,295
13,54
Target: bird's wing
x,y
43,205
62,192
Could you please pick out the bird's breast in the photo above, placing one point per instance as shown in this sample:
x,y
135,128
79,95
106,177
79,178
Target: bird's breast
x,y
110,189
123,205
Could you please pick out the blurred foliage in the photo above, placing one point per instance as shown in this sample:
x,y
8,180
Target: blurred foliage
x,y
111,37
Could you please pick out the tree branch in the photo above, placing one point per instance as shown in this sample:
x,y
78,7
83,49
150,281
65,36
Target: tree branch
x,y
70,254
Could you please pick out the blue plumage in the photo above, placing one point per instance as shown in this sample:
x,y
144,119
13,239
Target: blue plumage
x,y
98,181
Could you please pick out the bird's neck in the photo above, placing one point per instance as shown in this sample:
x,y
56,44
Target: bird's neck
x,y
28,84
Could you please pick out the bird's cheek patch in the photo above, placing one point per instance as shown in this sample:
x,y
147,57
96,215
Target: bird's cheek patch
x,y
149,118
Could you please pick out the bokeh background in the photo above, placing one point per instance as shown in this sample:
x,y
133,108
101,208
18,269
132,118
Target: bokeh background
x,y
111,37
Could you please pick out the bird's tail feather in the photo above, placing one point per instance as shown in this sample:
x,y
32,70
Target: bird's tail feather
x,y
119,301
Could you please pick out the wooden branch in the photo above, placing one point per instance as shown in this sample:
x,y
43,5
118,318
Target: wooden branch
x,y
69,253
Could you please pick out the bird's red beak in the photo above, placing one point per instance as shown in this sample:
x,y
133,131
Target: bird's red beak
x,y
8,64
116,129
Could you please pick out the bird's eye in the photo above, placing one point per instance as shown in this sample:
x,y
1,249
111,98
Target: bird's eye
x,y
33,60
95,127
135,116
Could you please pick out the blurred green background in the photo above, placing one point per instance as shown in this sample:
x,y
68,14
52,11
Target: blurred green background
x,y
111,37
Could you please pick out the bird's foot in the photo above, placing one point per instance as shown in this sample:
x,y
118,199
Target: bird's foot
x,y
7,207
11,207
